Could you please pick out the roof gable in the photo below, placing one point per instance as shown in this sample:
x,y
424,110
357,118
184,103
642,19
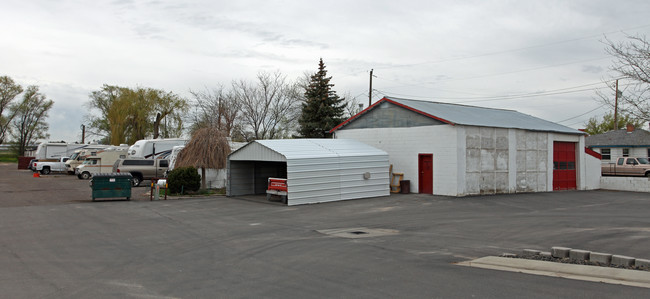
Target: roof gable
x,y
455,114
282,150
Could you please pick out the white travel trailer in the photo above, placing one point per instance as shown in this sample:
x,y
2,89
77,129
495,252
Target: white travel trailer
x,y
55,150
154,148
80,155
100,162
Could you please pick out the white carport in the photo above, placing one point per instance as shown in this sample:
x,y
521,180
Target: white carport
x,y
317,170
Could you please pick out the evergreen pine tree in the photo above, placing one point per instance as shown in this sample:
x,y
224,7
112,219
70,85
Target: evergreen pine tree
x,y
322,109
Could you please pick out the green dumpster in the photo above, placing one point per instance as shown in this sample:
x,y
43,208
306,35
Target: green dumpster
x,y
110,185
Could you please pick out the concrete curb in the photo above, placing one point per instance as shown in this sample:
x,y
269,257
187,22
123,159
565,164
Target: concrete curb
x,y
571,271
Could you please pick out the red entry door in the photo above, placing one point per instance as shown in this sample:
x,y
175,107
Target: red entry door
x,y
425,170
564,165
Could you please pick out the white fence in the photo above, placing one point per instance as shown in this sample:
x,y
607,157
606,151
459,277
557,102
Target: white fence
x,y
635,184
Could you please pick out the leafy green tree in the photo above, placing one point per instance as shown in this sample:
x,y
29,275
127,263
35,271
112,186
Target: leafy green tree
x,y
322,109
8,91
29,123
127,115
598,126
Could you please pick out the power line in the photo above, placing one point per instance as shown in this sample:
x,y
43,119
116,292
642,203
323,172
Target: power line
x,y
515,49
565,90
592,110
493,75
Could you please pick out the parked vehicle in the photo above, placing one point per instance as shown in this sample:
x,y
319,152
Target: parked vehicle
x,y
56,150
142,169
628,166
153,148
80,155
46,167
100,162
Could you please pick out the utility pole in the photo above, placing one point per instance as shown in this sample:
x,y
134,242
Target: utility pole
x,y
83,134
616,107
370,90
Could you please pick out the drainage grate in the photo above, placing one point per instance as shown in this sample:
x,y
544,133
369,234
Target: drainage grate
x,y
358,232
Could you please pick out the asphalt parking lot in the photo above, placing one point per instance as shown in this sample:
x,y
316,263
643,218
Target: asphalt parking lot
x,y
56,243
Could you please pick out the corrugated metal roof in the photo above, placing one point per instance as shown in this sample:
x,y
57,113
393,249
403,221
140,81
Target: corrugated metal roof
x,y
317,148
638,137
477,116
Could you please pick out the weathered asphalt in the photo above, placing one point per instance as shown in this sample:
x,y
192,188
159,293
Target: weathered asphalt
x,y
62,245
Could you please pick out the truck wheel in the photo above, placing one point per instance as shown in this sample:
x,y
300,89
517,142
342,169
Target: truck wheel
x,y
135,181
45,170
85,175
647,174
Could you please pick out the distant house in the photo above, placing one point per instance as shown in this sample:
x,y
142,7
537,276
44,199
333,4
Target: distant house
x,y
458,150
628,142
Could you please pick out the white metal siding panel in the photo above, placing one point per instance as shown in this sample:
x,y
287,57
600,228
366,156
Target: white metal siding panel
x,y
255,151
403,146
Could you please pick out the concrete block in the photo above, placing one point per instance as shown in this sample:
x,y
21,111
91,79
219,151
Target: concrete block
x,y
642,263
520,135
488,160
508,254
473,158
531,140
531,180
546,254
579,255
501,182
529,252
487,183
621,260
560,252
601,258
521,161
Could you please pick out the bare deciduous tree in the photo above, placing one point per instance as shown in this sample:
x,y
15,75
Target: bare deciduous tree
x,y
631,65
269,106
215,108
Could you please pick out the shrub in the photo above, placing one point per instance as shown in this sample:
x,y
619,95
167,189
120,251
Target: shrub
x,y
183,179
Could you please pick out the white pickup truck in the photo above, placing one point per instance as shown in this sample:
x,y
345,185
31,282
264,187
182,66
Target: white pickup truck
x,y
47,167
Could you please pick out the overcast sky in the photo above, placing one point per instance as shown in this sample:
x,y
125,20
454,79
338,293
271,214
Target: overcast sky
x,y
469,52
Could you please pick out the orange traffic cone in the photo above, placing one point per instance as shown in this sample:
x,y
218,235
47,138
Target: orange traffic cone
x,y
36,175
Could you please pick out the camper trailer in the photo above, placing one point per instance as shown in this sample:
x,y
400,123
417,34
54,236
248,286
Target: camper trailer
x,y
56,150
153,148
80,155
101,161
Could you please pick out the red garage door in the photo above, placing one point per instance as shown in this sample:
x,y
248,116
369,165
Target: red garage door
x,y
564,165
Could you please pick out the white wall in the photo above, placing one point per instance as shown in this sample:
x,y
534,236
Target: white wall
x,y
592,172
403,146
215,178
636,184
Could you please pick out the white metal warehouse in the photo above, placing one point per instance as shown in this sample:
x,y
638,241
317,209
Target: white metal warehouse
x,y
317,170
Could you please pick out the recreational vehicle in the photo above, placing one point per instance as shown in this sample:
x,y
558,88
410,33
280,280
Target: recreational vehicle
x,y
101,162
56,150
153,148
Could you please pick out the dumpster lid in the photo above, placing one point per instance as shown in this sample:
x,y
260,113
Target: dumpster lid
x,y
113,175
